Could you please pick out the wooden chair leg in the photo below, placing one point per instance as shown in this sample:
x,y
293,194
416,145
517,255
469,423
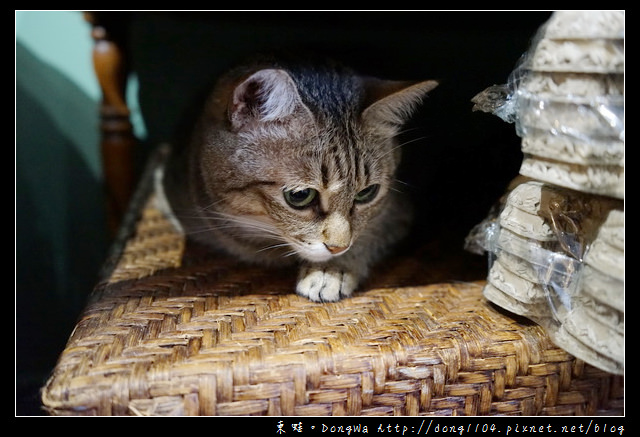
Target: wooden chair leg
x,y
117,138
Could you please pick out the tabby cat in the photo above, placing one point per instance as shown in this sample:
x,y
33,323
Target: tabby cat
x,y
296,162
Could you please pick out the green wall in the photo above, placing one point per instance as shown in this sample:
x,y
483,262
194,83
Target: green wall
x,y
60,224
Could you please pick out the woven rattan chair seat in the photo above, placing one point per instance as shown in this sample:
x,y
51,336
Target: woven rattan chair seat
x,y
172,330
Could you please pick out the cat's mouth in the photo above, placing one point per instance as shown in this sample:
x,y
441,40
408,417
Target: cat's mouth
x,y
318,252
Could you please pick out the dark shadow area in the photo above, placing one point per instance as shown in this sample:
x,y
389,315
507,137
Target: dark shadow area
x,y
61,234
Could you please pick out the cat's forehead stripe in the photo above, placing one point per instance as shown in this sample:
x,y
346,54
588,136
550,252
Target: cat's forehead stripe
x,y
324,171
345,163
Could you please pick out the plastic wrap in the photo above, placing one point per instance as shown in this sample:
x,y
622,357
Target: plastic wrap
x,y
566,98
556,256
555,241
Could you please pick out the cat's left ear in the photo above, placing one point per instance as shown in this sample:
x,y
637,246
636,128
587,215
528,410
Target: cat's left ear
x,y
267,95
391,103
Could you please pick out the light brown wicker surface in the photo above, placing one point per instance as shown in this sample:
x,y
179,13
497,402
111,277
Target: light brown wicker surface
x,y
174,331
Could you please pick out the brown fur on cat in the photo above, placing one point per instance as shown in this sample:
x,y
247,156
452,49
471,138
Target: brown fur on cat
x,y
296,163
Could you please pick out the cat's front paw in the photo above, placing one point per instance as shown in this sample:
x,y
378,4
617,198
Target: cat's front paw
x,y
325,284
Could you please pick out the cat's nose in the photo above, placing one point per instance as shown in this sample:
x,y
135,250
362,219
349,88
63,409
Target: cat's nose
x,y
336,249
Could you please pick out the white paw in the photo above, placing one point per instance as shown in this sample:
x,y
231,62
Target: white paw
x,y
325,285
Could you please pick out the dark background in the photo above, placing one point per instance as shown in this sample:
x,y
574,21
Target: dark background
x,y
456,162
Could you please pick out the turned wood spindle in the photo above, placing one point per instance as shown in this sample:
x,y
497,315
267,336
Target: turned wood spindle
x,y
117,139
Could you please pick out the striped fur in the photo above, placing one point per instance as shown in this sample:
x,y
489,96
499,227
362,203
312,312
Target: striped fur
x,y
295,163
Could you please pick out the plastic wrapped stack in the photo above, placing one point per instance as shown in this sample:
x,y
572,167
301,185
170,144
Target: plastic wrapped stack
x,y
556,239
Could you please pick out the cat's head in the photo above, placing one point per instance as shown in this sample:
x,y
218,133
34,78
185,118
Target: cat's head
x,y
301,162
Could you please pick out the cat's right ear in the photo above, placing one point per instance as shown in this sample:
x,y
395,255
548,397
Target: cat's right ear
x,y
392,102
267,95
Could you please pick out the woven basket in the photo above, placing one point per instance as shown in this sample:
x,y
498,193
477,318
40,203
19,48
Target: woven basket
x,y
172,330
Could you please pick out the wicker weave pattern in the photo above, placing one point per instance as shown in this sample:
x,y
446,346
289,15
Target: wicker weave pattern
x,y
155,246
209,337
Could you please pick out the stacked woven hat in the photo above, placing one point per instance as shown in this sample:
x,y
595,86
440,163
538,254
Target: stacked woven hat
x,y
556,241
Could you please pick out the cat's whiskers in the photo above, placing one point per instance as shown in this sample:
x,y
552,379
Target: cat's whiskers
x,y
413,140
237,226
398,146
212,205
243,220
395,189
410,129
400,186
273,247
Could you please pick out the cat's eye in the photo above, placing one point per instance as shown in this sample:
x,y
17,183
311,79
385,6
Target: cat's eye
x,y
368,194
300,198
